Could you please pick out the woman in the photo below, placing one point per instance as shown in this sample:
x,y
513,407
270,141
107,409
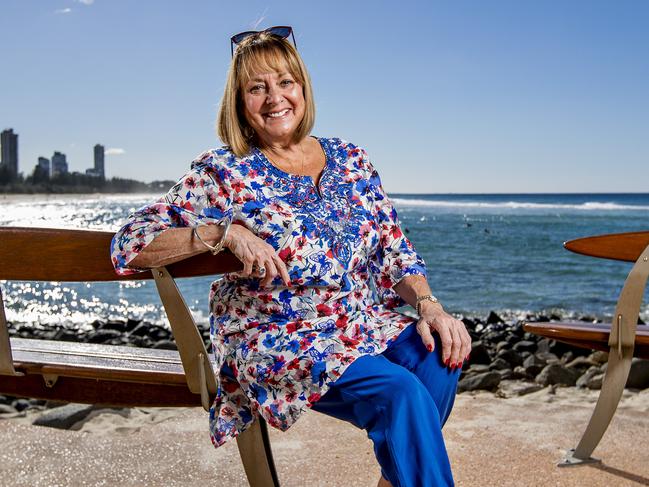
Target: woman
x,y
300,327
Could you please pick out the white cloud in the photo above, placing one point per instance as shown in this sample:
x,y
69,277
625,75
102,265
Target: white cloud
x,y
63,11
86,2
114,151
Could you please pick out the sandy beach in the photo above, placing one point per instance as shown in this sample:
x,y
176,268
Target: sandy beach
x,y
493,440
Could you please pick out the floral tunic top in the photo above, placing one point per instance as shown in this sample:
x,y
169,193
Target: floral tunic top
x,y
287,345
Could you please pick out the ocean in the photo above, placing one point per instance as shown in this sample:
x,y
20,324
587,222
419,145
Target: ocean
x,y
484,252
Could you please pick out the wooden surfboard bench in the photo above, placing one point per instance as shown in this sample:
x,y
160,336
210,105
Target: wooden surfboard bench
x,y
116,375
623,339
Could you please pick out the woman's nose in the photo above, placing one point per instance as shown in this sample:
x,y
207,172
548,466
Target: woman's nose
x,y
273,97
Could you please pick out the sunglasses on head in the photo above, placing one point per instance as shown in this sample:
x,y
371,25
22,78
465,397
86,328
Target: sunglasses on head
x,y
282,31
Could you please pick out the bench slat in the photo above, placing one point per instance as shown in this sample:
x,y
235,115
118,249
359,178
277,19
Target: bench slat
x,y
104,362
53,254
588,335
616,246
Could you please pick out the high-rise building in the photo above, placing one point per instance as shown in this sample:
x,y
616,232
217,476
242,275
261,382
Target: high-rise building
x,y
99,161
9,142
59,164
44,164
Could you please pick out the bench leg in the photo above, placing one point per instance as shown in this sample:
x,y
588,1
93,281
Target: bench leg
x,y
617,373
257,456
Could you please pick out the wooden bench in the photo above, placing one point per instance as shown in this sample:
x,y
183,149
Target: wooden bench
x,y
116,375
623,339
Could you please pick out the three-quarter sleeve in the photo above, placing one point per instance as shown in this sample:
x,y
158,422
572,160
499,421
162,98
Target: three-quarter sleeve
x,y
395,256
200,197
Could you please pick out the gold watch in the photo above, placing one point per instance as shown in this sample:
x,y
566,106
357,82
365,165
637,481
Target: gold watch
x,y
421,299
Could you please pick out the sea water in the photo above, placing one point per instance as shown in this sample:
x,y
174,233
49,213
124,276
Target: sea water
x,y
483,252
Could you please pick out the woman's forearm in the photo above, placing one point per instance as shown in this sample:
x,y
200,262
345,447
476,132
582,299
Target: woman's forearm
x,y
410,287
175,244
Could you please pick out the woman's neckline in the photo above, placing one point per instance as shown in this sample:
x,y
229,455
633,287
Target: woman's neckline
x,y
289,175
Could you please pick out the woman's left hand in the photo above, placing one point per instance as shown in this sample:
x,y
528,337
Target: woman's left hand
x,y
456,341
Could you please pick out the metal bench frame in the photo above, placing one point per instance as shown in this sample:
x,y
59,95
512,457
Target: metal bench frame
x,y
621,342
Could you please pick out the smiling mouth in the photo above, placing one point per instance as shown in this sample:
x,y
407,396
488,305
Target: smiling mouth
x,y
279,114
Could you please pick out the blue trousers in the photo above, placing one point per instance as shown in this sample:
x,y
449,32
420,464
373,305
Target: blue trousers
x,y
402,398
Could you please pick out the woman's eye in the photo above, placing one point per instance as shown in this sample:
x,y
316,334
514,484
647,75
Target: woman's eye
x,y
286,82
257,89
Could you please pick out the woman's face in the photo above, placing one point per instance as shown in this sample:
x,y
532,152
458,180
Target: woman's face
x,y
273,106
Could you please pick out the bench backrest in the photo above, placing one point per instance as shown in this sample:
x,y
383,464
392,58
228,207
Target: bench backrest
x,y
52,254
45,254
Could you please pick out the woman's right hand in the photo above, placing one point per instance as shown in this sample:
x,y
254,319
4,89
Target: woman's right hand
x,y
255,254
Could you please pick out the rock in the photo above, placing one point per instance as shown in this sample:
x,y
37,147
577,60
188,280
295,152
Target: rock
x,y
502,346
543,345
511,356
5,400
525,346
500,364
484,381
599,357
547,357
20,404
581,363
507,374
479,353
522,373
591,379
103,336
557,374
477,368
6,409
534,359
639,374
494,318
165,344
141,330
512,388
64,417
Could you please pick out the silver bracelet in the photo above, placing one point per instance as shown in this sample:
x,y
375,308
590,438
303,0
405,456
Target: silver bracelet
x,y
215,249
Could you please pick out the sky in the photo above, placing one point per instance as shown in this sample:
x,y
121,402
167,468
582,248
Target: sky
x,y
446,97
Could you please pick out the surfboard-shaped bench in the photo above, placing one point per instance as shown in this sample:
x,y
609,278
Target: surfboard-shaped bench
x,y
115,375
623,339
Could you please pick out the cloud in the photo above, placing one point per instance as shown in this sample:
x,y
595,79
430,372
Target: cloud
x,y
114,151
86,2
63,11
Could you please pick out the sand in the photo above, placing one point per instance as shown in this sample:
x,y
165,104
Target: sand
x,y
492,441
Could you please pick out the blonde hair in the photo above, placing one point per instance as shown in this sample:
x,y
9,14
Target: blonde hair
x,y
263,53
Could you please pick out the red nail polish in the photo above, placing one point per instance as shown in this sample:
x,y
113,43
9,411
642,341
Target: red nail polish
x,y
453,365
447,361
429,347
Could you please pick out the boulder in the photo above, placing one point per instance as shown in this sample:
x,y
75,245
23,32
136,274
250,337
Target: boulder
x,y
494,318
511,356
557,374
639,374
500,364
525,346
484,381
64,417
479,353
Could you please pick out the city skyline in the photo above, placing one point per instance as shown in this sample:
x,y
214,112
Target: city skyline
x,y
446,98
56,165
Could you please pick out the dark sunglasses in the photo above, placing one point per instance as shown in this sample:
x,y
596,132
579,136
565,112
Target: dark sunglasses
x,y
282,31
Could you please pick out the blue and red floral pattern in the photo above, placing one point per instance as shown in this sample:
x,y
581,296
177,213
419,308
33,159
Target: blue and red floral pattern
x,y
287,345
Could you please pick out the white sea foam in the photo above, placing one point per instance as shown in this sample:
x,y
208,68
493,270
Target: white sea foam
x,y
587,206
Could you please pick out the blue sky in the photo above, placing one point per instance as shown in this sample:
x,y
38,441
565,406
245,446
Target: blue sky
x,y
464,96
